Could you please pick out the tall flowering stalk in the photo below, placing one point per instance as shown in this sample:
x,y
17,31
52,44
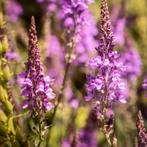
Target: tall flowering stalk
x,y
36,87
142,132
7,130
105,85
72,17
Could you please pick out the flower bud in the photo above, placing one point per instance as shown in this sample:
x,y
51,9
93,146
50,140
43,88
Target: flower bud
x,y
11,126
1,20
6,72
8,107
3,117
5,44
3,129
1,48
3,94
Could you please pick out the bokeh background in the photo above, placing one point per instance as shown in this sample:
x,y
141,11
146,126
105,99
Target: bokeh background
x,y
74,115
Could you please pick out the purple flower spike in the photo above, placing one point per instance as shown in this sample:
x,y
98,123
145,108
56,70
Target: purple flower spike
x,y
105,84
36,86
142,132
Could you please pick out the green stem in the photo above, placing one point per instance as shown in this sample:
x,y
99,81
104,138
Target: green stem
x,y
68,63
40,134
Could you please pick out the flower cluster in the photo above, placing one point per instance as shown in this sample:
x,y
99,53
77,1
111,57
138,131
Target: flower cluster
x,y
73,12
105,82
36,86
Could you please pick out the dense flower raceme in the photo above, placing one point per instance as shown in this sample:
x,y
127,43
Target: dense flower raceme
x,y
142,132
106,83
36,86
14,10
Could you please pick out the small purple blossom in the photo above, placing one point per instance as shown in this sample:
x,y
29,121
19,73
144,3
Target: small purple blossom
x,y
144,85
87,138
11,55
36,86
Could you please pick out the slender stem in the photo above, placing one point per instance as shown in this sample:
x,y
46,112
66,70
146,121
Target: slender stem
x,y
67,66
109,133
40,134
107,136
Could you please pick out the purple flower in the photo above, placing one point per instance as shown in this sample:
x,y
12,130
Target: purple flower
x,y
131,59
36,87
119,31
144,85
55,54
86,40
14,10
74,16
105,82
87,138
11,55
72,13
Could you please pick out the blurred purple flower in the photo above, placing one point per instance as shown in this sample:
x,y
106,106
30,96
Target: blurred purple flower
x,y
131,59
66,143
119,31
144,85
87,138
36,86
14,10
130,56
72,13
105,82
86,40
55,54
77,18
11,55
